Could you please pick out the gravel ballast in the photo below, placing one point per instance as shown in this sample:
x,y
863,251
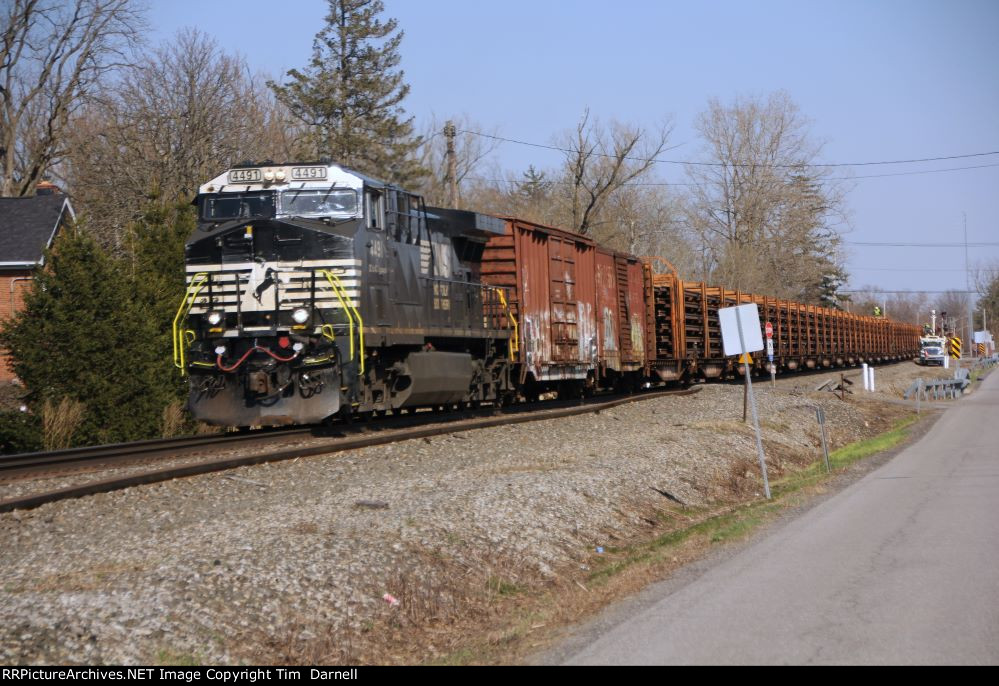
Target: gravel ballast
x,y
235,566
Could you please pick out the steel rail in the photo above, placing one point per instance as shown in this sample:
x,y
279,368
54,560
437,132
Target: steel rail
x,y
28,463
508,416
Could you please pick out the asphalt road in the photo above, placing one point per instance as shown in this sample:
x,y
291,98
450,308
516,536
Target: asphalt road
x,y
901,567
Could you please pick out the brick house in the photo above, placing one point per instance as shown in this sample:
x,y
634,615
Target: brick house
x,y
27,228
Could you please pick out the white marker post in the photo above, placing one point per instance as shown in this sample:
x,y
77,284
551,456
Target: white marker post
x,y
770,354
863,371
740,329
870,370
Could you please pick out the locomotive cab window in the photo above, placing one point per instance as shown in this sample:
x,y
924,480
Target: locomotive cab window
x,y
333,202
237,206
375,210
404,228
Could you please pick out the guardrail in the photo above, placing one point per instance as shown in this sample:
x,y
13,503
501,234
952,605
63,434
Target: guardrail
x,y
949,389
986,362
939,389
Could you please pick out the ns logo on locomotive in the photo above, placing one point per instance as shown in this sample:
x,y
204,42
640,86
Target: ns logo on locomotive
x,y
315,291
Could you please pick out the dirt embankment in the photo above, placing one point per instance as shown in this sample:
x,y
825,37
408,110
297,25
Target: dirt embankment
x,y
484,534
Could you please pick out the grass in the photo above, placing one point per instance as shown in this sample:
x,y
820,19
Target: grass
x,y
861,449
165,657
502,586
737,522
976,374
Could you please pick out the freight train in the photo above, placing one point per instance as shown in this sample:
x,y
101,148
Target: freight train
x,y
314,291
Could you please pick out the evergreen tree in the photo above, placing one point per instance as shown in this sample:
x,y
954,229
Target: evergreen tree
x,y
535,186
157,278
84,335
350,95
827,291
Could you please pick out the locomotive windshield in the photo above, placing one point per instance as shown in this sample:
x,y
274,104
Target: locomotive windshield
x,y
335,202
237,206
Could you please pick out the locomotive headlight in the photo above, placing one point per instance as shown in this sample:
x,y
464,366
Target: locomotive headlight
x,y
279,175
214,318
300,315
268,176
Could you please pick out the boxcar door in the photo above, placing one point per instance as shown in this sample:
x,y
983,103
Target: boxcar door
x,y
564,312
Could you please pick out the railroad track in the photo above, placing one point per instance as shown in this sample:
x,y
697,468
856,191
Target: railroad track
x,y
326,440
76,459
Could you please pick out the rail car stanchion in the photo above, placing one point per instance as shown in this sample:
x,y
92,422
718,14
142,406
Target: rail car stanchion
x,y
740,329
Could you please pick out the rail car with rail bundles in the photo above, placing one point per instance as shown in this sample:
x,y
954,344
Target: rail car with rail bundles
x,y
314,291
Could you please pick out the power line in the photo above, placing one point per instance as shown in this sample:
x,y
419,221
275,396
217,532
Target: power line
x,y
910,173
923,245
666,184
567,183
906,269
735,164
910,292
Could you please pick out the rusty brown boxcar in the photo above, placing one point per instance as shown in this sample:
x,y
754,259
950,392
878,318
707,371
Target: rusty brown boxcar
x,y
548,275
622,315
582,309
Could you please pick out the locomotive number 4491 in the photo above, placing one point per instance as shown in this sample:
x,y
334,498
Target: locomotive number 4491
x,y
305,173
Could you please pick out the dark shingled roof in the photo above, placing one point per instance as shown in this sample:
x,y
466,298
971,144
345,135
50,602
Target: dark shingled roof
x,y
27,227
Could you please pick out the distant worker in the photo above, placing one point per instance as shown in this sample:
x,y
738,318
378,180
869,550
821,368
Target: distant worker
x,y
877,311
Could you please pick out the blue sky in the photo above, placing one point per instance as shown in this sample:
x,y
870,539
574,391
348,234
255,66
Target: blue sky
x,y
886,80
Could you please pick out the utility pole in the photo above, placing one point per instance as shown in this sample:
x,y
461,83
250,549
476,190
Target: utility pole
x,y
451,179
967,285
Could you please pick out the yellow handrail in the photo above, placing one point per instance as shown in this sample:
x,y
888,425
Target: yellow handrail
x,y
190,295
513,343
352,313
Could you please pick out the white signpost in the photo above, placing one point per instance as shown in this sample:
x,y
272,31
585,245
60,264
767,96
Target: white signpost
x,y
740,330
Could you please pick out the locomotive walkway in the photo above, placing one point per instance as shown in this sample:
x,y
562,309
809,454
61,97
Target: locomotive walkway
x,y
899,568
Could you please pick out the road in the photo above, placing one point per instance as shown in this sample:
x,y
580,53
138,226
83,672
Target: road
x,y
901,567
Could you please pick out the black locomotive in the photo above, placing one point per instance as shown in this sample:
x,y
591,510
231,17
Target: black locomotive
x,y
315,291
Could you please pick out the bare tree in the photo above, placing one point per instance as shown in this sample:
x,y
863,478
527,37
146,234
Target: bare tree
x,y
52,55
172,122
763,210
957,304
987,285
646,220
598,162
913,308
599,190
